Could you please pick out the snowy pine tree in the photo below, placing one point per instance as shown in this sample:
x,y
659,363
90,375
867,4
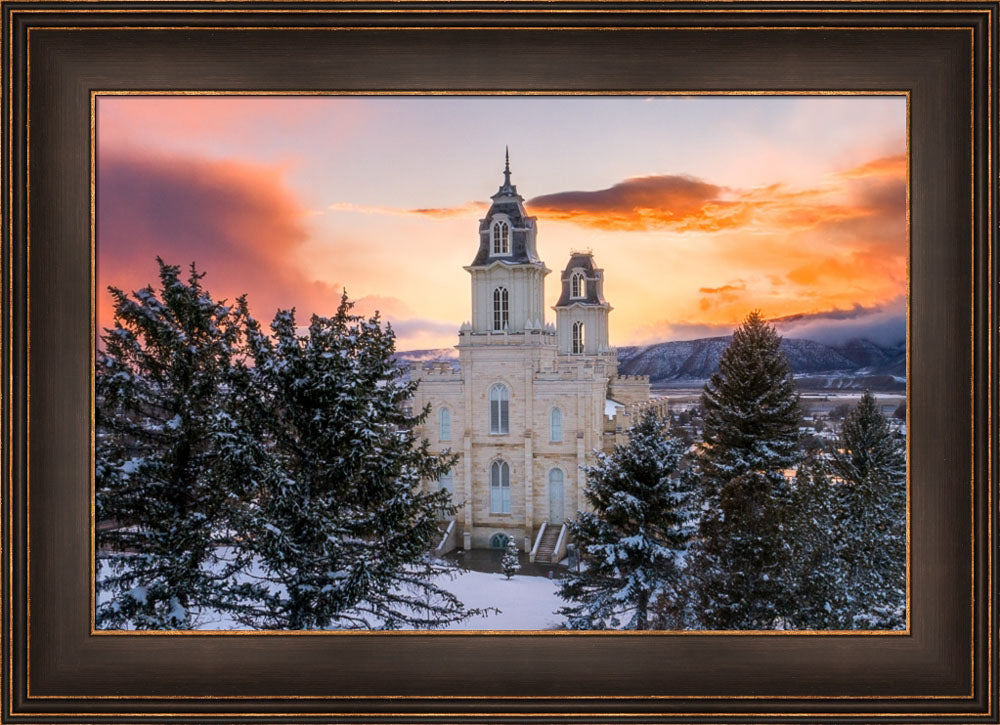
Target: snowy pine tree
x,y
165,455
870,461
510,563
816,573
632,543
340,528
751,430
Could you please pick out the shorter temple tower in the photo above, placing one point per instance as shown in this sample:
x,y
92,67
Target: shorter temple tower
x,y
582,311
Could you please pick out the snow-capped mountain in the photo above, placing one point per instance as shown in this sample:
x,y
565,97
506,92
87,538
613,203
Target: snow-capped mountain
x,y
854,365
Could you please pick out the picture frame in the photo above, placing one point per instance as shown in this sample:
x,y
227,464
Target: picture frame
x,y
60,56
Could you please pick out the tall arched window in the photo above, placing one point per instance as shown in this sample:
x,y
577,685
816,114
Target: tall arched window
x,y
499,487
501,308
578,337
555,425
579,286
447,482
444,424
499,409
501,238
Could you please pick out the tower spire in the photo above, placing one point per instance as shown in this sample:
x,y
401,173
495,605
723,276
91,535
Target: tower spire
x,y
507,188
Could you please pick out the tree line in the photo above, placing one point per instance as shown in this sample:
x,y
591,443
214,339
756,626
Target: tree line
x,y
271,479
744,529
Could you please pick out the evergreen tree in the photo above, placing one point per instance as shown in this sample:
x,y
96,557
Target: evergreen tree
x,y
751,429
510,563
816,570
633,542
870,461
340,528
169,455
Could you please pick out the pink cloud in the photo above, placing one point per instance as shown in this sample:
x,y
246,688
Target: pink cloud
x,y
237,221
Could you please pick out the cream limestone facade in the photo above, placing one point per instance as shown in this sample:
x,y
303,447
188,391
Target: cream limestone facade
x,y
529,402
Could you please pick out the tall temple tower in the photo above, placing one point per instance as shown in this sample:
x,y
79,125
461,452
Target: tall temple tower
x,y
507,275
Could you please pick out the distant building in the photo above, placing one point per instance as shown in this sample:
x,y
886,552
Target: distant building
x,y
530,401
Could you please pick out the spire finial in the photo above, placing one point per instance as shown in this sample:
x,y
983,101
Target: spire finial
x,y
506,166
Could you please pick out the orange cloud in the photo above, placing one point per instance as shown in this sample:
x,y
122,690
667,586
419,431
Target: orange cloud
x,y
886,166
437,213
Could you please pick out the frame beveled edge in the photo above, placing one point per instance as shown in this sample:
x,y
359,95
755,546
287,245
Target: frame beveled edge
x,y
13,199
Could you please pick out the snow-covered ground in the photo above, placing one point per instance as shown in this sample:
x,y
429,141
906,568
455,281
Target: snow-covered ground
x,y
525,602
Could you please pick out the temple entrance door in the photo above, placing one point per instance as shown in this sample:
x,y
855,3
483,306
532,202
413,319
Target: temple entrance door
x,y
556,513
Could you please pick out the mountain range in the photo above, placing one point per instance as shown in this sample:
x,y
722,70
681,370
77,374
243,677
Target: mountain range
x,y
852,365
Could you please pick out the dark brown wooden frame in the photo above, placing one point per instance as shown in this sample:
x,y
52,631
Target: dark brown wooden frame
x,y
57,53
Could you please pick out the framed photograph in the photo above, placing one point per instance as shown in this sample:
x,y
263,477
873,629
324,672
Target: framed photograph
x,y
692,304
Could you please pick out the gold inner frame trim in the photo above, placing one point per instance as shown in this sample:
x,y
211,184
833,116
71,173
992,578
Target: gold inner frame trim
x,y
95,94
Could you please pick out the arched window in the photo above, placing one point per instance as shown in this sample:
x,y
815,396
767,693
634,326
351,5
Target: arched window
x,y
501,308
444,424
499,541
578,337
499,409
447,482
579,286
499,487
501,238
555,425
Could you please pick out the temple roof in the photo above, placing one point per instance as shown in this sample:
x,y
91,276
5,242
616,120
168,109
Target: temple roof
x,y
594,281
507,203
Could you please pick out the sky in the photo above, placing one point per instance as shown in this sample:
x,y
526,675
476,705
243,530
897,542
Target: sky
x,y
699,208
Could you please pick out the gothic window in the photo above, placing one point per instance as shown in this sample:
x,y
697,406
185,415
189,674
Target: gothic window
x,y
555,425
445,424
499,487
501,238
447,483
501,309
499,409
579,286
578,337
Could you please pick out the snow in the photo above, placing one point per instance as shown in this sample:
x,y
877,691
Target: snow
x,y
611,408
525,602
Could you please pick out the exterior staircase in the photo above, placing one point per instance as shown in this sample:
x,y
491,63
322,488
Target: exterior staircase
x,y
547,545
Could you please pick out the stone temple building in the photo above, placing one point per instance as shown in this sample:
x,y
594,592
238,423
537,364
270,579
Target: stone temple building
x,y
529,401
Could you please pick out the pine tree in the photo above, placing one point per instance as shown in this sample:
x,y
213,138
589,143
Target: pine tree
x,y
340,527
816,571
633,542
167,452
751,429
510,563
870,461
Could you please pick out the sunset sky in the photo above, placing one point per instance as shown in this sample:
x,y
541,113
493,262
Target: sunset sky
x,y
699,209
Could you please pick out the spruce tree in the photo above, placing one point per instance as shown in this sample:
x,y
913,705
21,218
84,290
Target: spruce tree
x,y
870,461
167,455
340,529
510,563
816,571
633,541
751,430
